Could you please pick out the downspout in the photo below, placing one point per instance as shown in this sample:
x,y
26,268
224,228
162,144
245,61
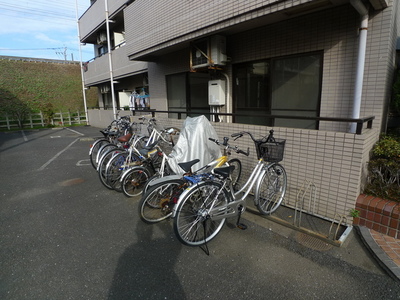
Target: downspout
x,y
362,45
228,98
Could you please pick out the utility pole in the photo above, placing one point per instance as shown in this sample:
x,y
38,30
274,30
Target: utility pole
x,y
81,65
110,60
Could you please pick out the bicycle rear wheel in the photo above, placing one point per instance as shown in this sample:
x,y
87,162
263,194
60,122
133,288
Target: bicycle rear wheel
x,y
133,181
95,149
104,162
103,150
193,225
272,189
157,203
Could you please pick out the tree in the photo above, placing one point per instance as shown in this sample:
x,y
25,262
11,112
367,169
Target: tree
x,y
14,107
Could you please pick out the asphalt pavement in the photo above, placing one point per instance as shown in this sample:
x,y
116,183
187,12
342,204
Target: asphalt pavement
x,y
65,236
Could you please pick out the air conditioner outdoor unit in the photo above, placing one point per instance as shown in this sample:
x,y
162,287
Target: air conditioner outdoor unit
x,y
218,49
101,37
209,52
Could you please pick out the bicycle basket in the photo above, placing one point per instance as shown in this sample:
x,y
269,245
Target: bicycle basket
x,y
136,128
272,151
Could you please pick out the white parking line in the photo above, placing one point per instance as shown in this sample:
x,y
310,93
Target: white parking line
x,y
73,131
57,155
83,162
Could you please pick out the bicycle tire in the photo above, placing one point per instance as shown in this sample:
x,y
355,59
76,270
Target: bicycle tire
x,y
102,167
94,149
157,203
133,181
193,226
104,149
237,172
116,166
149,182
272,189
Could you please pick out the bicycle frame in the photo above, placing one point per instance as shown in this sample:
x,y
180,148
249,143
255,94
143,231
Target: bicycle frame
x,y
235,201
161,170
156,135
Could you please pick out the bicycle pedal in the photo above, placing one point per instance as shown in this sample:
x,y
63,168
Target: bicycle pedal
x,y
241,226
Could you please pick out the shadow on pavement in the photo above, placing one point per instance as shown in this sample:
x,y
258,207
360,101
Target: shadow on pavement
x,y
146,269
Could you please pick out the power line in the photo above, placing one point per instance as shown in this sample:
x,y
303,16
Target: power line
x,y
31,49
42,49
38,12
55,12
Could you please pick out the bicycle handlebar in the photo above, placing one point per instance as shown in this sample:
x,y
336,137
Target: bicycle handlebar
x,y
234,148
270,137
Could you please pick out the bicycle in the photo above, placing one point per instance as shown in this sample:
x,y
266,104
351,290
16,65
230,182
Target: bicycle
x,y
162,195
112,160
135,176
151,159
203,208
115,130
114,163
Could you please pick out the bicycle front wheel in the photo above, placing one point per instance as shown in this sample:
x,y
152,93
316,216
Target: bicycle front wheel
x,y
193,224
157,203
272,189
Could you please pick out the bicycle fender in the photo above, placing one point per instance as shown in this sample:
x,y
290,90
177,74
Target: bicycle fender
x,y
257,187
163,179
126,172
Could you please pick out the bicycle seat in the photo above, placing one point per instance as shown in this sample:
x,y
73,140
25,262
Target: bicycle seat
x,y
225,171
146,149
125,138
186,166
104,132
112,133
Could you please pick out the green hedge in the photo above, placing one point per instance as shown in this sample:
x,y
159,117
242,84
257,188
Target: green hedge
x,y
384,169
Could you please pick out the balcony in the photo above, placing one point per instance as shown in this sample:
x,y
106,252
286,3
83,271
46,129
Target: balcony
x,y
98,70
94,18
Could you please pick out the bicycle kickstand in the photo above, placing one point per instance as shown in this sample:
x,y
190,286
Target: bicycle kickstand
x,y
238,224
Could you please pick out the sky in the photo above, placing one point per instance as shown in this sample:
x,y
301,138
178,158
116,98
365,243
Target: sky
x,y
42,29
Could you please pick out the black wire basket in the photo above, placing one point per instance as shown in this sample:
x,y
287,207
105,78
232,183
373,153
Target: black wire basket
x,y
272,151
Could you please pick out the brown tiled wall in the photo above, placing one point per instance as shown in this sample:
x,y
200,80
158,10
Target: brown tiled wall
x,y
379,214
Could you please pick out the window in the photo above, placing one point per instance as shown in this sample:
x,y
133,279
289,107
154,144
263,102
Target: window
x,y
288,86
188,92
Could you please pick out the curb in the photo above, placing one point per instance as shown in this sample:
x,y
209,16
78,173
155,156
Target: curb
x,y
383,259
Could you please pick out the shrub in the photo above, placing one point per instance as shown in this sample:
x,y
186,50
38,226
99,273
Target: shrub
x,y
384,169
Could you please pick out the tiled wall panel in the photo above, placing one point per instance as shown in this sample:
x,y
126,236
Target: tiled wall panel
x,y
96,15
333,162
160,23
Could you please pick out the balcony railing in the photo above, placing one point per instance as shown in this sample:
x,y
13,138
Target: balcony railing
x,y
359,122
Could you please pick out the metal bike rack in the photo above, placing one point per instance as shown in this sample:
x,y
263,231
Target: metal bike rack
x,y
308,192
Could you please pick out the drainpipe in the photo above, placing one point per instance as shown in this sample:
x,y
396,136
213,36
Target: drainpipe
x,y
228,98
362,44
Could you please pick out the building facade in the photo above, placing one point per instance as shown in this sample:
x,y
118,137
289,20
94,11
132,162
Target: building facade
x,y
301,67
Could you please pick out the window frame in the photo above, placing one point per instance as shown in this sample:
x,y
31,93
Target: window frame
x,y
267,108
